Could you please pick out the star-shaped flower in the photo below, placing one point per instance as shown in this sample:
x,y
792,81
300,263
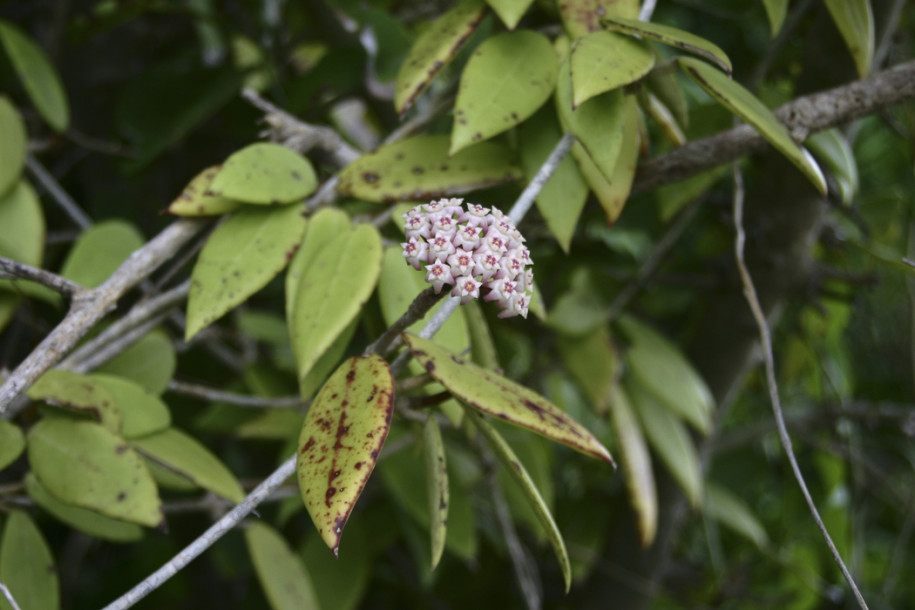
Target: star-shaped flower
x,y
438,275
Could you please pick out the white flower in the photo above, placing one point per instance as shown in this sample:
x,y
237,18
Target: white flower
x,y
414,251
418,226
467,288
468,236
496,241
487,264
441,246
461,262
438,274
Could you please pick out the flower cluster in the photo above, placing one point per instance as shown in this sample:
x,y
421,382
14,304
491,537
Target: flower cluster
x,y
477,251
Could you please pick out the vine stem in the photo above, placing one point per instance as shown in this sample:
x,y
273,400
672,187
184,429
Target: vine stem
x,y
769,362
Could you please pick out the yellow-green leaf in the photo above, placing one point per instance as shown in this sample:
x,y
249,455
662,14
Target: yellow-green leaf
x,y
12,145
20,208
636,462
834,151
514,466
83,464
188,457
79,393
613,197
436,487
149,362
601,61
729,510
141,411
83,519
99,251
12,443
27,566
265,174
433,49
593,361
581,17
341,439
671,36
741,102
241,256
38,75
775,13
509,11
419,168
197,200
855,21
506,80
332,291
503,398
279,569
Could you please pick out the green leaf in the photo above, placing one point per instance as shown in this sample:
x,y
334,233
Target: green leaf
x,y
419,168
509,11
150,362
8,304
27,566
729,510
198,200
340,584
20,208
12,443
482,346
38,76
614,195
241,256
503,398
593,361
583,16
775,12
78,393
280,571
341,438
662,369
514,466
506,80
671,36
563,197
83,464
12,145
188,457
99,251
332,291
83,519
741,102
671,441
436,487
266,174
141,411
834,151
855,21
636,464
601,61
434,48
323,226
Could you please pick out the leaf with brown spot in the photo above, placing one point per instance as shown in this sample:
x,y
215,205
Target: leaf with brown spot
x,y
583,16
265,174
436,487
502,398
341,439
197,200
601,61
79,393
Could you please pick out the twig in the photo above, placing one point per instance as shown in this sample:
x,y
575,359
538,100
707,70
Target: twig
x,y
10,269
233,398
120,344
526,200
417,310
9,596
647,11
63,199
769,361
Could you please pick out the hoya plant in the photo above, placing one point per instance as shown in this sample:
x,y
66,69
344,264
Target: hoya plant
x,y
488,304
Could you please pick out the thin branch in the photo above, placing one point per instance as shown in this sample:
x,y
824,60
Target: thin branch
x,y
769,361
647,10
233,398
9,596
63,199
110,350
526,200
10,269
417,310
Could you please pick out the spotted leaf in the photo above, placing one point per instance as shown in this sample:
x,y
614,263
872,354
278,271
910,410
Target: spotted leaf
x,y
672,37
265,174
198,200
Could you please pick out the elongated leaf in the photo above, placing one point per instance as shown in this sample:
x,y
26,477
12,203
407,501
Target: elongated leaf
x,y
775,12
662,116
419,168
662,369
332,291
99,251
726,508
20,208
186,456
834,151
483,348
433,49
509,11
197,200
581,17
78,393
266,174
855,21
671,36
12,145
506,80
614,196
86,465
27,566
12,443
341,584
741,102
594,363
241,256
670,439
83,519
514,466
503,398
38,76
436,487
279,569
563,197
150,362
141,412
636,464
601,61
341,439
